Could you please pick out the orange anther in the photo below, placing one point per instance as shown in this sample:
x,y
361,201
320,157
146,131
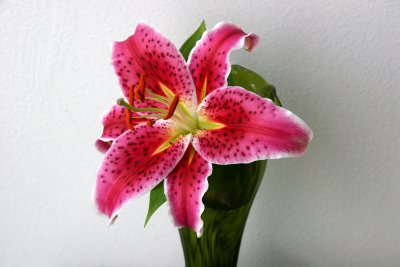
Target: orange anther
x,y
127,111
140,89
172,107
150,122
128,119
130,96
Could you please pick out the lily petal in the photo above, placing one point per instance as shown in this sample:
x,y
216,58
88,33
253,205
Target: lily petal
x,y
185,187
132,167
254,128
209,59
114,123
102,146
149,52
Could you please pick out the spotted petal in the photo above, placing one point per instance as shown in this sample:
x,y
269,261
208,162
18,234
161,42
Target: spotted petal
x,y
135,164
209,59
185,188
102,146
148,52
253,128
113,123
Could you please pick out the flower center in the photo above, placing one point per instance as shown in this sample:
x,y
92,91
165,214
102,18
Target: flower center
x,y
171,108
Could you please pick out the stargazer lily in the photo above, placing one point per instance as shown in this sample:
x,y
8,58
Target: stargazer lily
x,y
178,118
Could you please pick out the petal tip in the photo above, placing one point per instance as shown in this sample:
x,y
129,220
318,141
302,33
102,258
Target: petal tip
x,y
251,41
199,232
102,146
112,220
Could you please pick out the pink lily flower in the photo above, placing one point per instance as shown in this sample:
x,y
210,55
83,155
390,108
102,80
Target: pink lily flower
x,y
180,118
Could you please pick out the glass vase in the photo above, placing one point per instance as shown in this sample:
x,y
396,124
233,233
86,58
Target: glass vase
x,y
231,192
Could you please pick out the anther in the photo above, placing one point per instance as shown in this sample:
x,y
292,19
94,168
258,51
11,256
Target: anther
x,y
172,107
128,119
150,122
130,96
127,111
140,89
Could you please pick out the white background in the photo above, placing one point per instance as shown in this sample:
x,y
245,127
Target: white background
x,y
335,63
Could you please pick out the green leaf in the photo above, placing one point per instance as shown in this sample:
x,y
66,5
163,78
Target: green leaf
x,y
191,41
248,79
157,198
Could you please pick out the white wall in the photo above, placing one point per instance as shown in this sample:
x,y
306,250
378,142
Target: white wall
x,y
336,64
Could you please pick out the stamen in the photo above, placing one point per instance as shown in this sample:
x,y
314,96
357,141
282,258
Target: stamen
x,y
140,89
137,96
139,121
122,102
130,96
150,122
149,115
127,111
172,107
128,119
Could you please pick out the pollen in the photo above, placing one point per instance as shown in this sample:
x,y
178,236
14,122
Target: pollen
x,y
149,114
150,122
130,96
140,89
172,107
128,119
127,111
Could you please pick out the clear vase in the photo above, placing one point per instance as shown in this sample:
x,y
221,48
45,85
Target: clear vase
x,y
231,192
